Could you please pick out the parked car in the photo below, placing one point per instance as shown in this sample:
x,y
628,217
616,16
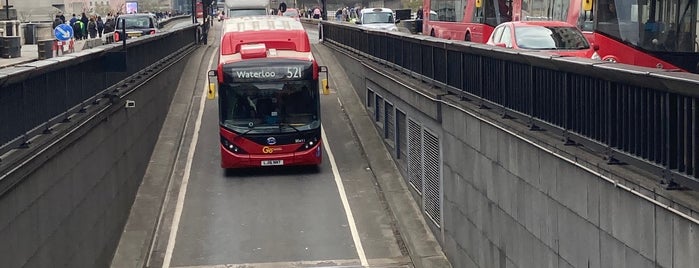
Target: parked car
x,y
136,25
377,18
557,37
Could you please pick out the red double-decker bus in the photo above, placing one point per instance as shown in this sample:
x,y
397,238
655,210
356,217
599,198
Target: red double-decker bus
x,y
269,104
650,33
469,20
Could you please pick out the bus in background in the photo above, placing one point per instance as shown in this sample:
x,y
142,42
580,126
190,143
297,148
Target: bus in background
x,y
199,10
242,8
649,33
469,20
268,99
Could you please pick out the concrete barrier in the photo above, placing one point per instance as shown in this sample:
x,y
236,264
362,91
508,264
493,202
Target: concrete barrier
x,y
498,195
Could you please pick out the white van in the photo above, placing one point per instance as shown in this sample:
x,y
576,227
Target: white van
x,y
378,18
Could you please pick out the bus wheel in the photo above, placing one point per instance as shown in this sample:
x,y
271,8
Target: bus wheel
x,y
432,33
468,37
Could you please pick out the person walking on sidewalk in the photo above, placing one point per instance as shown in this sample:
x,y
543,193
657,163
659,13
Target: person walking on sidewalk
x,y
92,28
57,21
78,30
73,20
100,26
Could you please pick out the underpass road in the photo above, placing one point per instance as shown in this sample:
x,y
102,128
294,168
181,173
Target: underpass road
x,y
284,217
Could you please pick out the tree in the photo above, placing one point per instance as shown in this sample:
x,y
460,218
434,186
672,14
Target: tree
x,y
148,6
117,6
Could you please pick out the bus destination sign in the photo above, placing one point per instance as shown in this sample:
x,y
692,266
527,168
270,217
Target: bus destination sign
x,y
268,73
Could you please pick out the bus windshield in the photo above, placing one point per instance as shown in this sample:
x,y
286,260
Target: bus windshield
x,y
269,107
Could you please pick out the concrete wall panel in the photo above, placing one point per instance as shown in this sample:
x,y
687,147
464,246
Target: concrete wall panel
x,y
686,240
70,212
664,237
508,203
571,188
579,239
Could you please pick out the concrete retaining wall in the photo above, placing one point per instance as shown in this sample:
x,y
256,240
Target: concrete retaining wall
x,y
508,203
71,211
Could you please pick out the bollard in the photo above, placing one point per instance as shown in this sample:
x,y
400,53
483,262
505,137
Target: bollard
x,y
326,88
11,47
45,49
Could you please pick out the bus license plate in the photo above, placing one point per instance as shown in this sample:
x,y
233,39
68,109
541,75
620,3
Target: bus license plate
x,y
272,162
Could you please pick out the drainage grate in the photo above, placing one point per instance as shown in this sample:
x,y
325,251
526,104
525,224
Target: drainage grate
x,y
432,177
414,156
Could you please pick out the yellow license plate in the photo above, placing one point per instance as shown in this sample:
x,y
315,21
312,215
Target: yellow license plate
x,y
134,34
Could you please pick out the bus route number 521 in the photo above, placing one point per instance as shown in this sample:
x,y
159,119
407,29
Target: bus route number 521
x,y
293,72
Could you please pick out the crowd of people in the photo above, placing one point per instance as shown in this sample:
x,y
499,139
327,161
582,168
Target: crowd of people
x,y
85,27
94,26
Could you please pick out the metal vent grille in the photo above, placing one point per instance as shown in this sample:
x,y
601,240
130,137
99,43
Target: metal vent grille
x,y
414,156
432,177
401,139
389,131
379,111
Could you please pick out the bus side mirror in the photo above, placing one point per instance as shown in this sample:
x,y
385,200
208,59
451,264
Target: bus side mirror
x,y
213,85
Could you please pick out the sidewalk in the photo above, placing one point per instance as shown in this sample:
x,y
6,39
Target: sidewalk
x,y
30,53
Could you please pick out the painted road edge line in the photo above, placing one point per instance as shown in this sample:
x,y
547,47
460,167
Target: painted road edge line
x,y
187,173
345,202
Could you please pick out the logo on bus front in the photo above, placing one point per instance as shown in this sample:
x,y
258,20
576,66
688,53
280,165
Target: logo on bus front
x,y
270,149
271,141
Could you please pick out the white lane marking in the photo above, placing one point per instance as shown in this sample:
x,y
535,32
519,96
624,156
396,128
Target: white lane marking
x,y
187,173
345,203
402,261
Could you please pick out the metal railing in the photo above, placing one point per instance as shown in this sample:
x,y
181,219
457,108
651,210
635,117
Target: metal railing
x,y
645,117
35,96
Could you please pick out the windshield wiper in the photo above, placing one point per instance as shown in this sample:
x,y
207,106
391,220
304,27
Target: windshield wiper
x,y
287,125
251,128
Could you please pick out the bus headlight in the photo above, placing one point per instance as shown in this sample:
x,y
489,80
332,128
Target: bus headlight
x,y
309,144
231,147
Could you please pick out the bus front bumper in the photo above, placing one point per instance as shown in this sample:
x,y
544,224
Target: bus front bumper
x,y
311,156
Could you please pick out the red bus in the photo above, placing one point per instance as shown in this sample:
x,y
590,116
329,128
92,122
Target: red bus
x,y
469,20
199,10
269,104
650,33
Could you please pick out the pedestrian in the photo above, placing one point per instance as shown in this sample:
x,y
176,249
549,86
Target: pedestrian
x,y
316,13
77,30
100,26
92,28
57,21
84,19
63,18
109,25
73,20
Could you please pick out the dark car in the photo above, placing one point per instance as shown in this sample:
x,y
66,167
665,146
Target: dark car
x,y
136,25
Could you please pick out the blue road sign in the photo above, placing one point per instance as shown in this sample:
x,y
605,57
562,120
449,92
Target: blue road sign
x,y
63,32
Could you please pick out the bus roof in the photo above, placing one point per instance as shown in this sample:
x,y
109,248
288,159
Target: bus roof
x,y
283,34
